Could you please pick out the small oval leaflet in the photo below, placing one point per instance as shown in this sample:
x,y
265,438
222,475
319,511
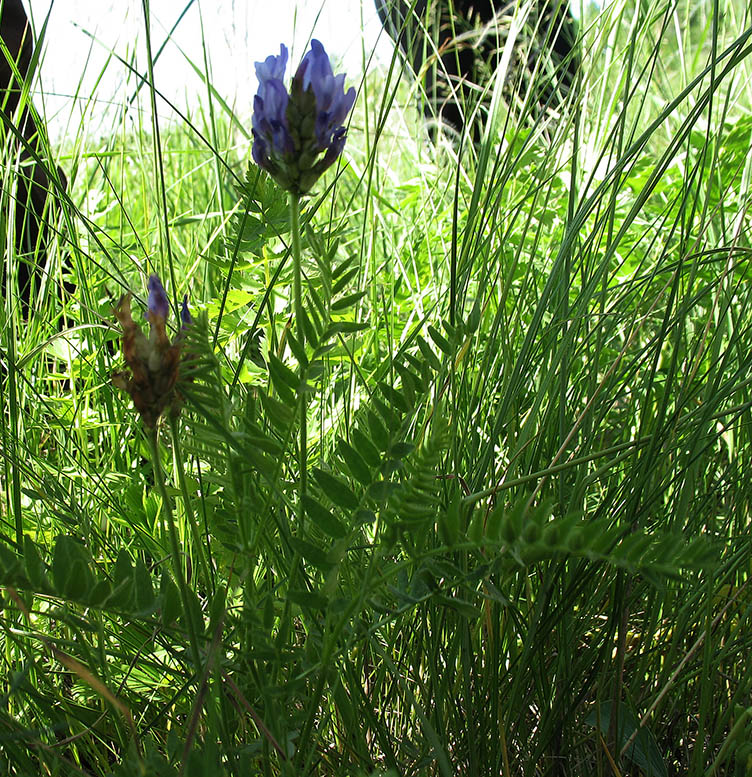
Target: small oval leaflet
x,y
323,518
336,489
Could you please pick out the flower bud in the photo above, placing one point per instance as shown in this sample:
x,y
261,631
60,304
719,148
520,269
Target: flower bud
x,y
154,362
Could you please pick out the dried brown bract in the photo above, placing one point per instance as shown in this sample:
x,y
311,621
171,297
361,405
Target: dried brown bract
x,y
153,363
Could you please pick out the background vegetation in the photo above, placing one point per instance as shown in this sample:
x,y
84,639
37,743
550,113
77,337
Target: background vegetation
x,y
525,548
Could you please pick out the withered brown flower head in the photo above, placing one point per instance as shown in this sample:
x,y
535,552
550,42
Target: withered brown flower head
x,y
153,363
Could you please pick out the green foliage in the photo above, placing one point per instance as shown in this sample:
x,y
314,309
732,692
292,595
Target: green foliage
x,y
515,534
642,751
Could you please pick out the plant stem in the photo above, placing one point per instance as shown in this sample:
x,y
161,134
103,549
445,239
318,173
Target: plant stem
x,y
177,565
177,460
299,332
10,442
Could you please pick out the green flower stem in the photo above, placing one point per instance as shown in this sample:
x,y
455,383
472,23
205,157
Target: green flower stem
x,y
177,565
298,309
177,463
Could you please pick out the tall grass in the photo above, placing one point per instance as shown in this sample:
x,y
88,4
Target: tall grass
x,y
525,545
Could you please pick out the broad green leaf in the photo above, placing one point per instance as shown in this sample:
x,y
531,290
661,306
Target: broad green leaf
x,y
336,489
343,280
71,569
440,340
323,518
401,449
347,301
465,609
279,414
410,383
394,396
381,490
344,266
11,568
365,448
99,595
308,599
355,462
36,569
344,328
311,553
643,751
143,592
195,607
449,522
170,600
388,412
378,430
311,335
298,350
123,595
282,374
428,354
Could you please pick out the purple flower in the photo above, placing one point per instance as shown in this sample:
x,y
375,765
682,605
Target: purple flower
x,y
269,121
273,67
292,130
185,314
332,102
157,304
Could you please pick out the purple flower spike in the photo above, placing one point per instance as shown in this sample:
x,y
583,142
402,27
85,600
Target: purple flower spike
x,y
157,304
332,102
291,130
185,314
